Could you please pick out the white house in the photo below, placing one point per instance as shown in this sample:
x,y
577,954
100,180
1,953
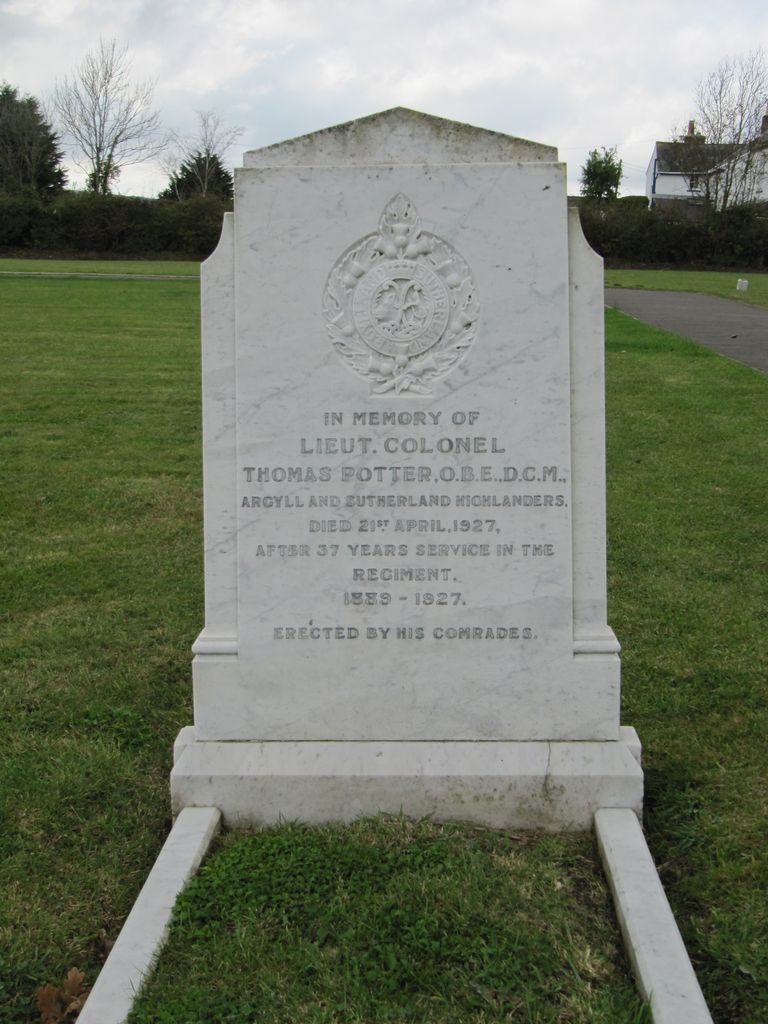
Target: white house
x,y
678,170
757,174
691,169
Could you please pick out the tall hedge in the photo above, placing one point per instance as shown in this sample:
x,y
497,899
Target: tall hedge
x,y
622,231
115,225
626,231
19,216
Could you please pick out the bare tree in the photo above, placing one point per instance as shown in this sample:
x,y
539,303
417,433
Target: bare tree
x,y
731,102
198,158
107,116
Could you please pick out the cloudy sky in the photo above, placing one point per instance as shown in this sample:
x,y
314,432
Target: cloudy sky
x,y
577,74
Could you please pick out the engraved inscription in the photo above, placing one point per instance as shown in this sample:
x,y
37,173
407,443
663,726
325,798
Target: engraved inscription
x,y
400,305
420,553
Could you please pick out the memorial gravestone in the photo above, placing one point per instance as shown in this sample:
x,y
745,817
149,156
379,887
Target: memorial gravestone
x,y
404,490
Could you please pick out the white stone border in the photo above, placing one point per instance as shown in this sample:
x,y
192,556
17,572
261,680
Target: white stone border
x,y
146,927
656,951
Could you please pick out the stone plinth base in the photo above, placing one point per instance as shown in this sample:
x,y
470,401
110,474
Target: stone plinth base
x,y
555,786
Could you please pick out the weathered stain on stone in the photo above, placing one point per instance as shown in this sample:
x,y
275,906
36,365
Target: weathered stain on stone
x,y
400,135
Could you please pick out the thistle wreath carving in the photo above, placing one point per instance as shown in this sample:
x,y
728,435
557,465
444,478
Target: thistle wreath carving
x,y
400,305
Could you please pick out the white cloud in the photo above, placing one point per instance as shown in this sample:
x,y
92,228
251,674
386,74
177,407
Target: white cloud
x,y
578,76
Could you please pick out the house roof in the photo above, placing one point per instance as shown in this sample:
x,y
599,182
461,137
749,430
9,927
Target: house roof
x,y
400,136
689,157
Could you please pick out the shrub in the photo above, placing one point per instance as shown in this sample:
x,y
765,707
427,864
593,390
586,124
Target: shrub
x,y
19,216
627,231
117,225
194,224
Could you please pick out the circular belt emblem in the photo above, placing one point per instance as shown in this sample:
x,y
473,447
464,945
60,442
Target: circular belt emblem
x,y
401,308
400,305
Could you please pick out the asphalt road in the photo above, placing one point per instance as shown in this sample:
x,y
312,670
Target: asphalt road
x,y
734,329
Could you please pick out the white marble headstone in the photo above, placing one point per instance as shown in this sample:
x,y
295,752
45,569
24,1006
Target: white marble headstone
x,y
404,485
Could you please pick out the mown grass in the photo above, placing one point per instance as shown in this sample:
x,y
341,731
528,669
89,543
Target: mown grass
x,y
688,589
711,282
390,920
102,596
132,267
101,592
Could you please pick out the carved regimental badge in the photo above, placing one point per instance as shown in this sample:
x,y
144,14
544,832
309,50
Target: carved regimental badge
x,y
400,304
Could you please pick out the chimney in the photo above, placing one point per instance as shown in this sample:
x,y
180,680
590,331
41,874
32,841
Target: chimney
x,y
692,135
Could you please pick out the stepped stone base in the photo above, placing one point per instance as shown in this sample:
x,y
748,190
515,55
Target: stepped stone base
x,y
554,786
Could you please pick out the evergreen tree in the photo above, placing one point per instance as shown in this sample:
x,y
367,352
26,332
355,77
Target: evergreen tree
x,y
201,174
30,158
601,175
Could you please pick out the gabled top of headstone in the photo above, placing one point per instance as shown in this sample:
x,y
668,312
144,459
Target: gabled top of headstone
x,y
400,136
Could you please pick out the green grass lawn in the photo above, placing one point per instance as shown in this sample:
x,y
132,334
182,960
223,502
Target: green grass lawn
x,y
101,593
102,597
711,282
133,267
688,590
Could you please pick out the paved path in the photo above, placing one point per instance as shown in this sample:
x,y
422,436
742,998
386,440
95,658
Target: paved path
x,y
734,329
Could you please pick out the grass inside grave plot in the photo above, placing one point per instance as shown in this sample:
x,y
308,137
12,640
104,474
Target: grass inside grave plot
x,y
102,596
710,282
389,920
